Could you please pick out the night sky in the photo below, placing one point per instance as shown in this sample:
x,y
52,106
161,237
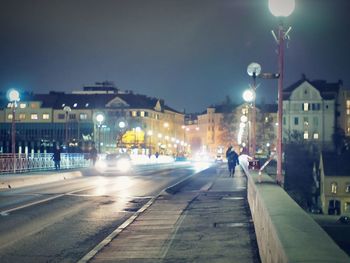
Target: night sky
x,y
192,53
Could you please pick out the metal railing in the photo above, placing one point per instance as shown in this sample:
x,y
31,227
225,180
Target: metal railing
x,y
20,163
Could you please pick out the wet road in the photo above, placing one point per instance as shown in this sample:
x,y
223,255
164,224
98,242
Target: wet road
x,y
62,221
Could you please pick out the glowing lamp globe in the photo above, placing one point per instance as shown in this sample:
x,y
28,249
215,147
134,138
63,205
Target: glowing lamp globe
x,y
13,95
281,7
249,95
244,119
100,117
122,124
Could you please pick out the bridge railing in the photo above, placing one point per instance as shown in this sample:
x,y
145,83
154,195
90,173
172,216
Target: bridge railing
x,y
20,163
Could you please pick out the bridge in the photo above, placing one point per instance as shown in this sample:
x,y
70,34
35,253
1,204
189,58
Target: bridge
x,y
210,217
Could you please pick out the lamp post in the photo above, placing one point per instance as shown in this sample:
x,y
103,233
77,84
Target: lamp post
x,y
280,9
99,118
66,109
253,70
249,97
13,97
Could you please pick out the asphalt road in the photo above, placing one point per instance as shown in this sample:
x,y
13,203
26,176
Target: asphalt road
x,y
62,221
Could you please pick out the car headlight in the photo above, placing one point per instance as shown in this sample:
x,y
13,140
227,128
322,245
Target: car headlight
x,y
124,165
101,164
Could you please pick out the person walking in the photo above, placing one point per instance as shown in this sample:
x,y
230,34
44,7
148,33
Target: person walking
x,y
93,154
56,157
232,160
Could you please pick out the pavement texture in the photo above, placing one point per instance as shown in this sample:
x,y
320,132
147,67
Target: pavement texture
x,y
207,220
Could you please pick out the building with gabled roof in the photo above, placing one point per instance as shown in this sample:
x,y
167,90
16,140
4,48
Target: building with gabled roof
x,y
334,171
313,110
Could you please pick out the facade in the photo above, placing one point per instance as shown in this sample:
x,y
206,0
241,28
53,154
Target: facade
x,y
313,110
335,183
218,127
46,120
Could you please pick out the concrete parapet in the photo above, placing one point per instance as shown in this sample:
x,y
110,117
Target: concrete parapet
x,y
284,231
21,180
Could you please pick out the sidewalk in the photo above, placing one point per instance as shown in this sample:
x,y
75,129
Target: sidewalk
x,y
207,221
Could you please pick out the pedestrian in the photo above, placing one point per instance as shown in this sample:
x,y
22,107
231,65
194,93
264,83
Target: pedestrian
x,y
93,154
232,160
56,157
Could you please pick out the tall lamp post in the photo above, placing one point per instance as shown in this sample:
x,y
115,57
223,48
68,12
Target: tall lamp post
x,y
13,97
67,110
280,9
99,118
253,70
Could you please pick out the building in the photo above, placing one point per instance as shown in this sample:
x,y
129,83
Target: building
x,y
313,111
334,174
214,129
69,120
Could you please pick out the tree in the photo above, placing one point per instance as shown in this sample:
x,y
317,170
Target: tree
x,y
229,121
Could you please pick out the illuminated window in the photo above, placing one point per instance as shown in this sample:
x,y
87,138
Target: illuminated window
x,y
22,116
266,119
34,105
245,111
306,135
46,116
315,135
334,187
133,113
83,116
348,103
33,116
347,111
22,105
347,188
142,114
305,106
347,207
9,117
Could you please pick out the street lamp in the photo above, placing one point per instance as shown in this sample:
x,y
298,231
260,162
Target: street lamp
x,y
99,118
13,97
280,9
66,109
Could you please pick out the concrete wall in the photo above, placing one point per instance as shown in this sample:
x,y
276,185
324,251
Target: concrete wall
x,y
285,232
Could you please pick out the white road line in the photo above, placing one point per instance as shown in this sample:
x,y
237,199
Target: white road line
x,y
43,200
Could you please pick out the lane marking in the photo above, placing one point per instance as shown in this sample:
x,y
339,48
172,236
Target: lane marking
x,y
44,200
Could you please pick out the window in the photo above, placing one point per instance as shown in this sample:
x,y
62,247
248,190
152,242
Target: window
x,y
72,116
34,105
316,136
22,105
146,114
46,116
33,116
22,116
347,207
306,135
296,121
306,121
142,114
61,116
347,188
315,106
305,106
266,119
83,116
334,187
315,120
133,113
9,116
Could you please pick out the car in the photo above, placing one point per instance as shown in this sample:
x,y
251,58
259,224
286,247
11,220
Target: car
x,y
115,162
344,220
219,159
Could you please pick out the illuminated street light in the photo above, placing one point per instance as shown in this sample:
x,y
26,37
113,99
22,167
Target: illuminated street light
x,y
244,119
122,124
66,109
14,98
280,8
99,118
249,95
